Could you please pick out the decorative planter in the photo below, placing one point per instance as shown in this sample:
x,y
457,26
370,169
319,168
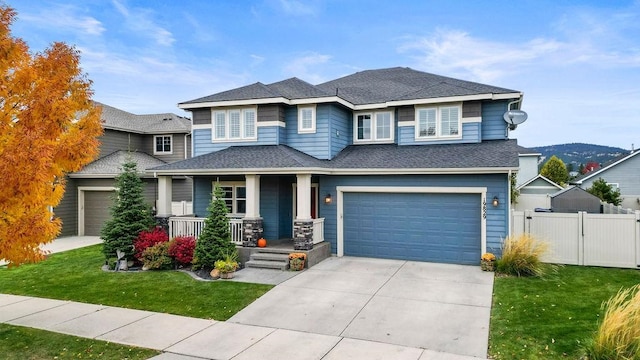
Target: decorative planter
x,y
227,275
296,264
488,265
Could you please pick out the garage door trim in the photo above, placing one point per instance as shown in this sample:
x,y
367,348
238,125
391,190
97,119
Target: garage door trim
x,y
81,190
482,191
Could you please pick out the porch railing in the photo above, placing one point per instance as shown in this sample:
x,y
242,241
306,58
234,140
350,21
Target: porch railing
x,y
318,230
192,226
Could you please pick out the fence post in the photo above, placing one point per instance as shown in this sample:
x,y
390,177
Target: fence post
x,y
581,237
528,216
637,238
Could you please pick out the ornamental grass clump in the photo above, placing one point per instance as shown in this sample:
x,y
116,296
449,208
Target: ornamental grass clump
x,y
521,256
618,337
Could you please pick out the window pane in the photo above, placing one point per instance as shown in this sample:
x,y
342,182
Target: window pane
x,y
241,192
241,206
229,204
228,192
306,118
383,126
234,124
364,127
159,144
450,122
167,144
220,126
426,122
249,123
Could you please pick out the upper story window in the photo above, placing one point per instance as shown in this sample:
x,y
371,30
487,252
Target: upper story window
x,y
234,124
438,122
162,144
306,119
373,127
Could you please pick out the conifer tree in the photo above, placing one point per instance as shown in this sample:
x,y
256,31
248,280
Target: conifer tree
x,y
605,192
215,240
130,214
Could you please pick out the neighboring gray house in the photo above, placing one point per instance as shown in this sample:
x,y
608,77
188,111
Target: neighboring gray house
x,y
574,199
528,165
150,140
623,173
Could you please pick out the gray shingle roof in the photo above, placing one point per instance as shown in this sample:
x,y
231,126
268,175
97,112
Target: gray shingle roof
x,y
111,165
382,85
365,87
488,154
117,119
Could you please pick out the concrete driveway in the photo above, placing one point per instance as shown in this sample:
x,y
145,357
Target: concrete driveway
x,y
440,307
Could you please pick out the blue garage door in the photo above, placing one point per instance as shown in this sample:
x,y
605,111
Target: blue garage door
x,y
425,227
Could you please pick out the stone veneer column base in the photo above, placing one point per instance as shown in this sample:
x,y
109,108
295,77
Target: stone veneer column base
x,y
303,234
252,231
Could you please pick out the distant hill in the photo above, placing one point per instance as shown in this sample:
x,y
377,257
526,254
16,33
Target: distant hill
x,y
579,153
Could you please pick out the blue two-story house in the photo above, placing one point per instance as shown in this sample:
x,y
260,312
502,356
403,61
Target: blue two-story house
x,y
390,163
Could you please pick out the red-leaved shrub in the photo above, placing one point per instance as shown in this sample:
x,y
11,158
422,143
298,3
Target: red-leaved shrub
x,y
181,248
147,239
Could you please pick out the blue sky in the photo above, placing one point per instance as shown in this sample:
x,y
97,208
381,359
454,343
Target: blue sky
x,y
577,62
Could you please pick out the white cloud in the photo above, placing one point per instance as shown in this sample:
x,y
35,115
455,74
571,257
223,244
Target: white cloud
x,y
307,67
140,21
295,7
65,18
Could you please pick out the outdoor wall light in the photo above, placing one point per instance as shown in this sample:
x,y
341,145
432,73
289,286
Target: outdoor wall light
x,y
327,199
495,201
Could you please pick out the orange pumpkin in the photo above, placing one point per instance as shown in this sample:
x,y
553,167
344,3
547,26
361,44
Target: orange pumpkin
x,y
262,242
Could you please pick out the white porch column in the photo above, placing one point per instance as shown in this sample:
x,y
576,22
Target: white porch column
x,y
164,196
303,196
253,196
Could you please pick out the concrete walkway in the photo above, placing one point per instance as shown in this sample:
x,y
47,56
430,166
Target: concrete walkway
x,y
342,308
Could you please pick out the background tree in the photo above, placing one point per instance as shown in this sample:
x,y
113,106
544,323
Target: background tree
x,y
48,127
215,240
555,170
130,214
605,192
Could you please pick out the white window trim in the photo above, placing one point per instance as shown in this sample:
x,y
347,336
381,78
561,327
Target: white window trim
x,y
227,127
438,123
155,146
374,120
312,129
234,199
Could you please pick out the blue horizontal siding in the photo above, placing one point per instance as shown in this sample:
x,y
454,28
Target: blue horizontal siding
x,y
341,130
493,124
315,144
267,135
470,134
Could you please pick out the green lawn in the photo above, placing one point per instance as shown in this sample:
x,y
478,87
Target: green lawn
x,y
22,343
551,317
76,275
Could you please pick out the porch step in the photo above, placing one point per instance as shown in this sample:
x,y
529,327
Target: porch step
x,y
269,259
266,256
266,264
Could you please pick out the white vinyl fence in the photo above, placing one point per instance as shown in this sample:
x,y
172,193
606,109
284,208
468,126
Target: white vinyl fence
x,y
181,208
584,239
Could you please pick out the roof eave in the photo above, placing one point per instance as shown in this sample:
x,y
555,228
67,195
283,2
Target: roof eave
x,y
597,172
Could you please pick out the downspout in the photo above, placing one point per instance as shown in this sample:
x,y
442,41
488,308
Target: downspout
x,y
509,203
506,130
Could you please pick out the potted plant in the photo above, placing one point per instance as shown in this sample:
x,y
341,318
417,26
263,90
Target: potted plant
x,y
488,262
227,266
296,261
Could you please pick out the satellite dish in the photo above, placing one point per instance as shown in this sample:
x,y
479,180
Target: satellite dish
x,y
515,117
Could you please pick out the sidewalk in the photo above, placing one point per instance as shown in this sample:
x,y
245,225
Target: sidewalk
x,y
184,338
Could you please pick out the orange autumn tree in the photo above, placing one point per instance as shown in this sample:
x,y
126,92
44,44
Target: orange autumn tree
x,y
48,127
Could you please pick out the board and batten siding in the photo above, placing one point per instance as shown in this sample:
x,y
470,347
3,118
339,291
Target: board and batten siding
x,y
493,125
201,116
496,184
114,140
